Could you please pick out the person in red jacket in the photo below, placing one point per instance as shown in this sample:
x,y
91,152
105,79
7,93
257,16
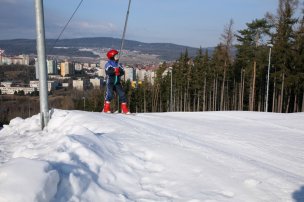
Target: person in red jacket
x,y
114,71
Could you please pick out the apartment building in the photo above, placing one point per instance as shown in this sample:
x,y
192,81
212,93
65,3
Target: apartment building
x,y
67,68
15,60
96,82
52,85
81,84
52,66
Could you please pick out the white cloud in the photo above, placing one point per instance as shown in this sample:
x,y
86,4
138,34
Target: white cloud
x,y
93,27
85,29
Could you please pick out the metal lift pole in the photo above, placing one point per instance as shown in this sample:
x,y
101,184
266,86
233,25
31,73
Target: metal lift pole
x,y
125,29
40,40
123,39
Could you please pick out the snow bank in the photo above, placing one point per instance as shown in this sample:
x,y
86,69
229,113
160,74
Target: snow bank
x,y
210,156
27,180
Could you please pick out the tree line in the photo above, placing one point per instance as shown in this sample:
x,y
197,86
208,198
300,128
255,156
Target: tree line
x,y
234,76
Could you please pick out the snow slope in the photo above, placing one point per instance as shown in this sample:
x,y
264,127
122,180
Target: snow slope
x,y
192,157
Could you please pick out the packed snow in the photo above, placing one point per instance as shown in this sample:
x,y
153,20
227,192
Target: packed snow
x,y
178,156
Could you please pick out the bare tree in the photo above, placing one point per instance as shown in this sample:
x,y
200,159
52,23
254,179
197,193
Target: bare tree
x,y
227,38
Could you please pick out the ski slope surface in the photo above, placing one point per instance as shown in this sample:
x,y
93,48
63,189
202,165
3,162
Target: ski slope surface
x,y
182,157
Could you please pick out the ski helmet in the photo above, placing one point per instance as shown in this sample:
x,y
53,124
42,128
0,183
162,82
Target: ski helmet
x,y
112,53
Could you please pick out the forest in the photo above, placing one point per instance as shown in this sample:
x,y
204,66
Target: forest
x,y
235,76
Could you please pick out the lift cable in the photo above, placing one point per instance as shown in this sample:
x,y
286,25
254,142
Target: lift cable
x,y
52,47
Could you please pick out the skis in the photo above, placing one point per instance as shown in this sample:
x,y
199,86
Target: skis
x,y
116,112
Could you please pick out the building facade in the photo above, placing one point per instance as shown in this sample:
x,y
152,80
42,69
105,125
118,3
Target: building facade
x,y
141,74
52,85
16,60
52,67
96,83
12,90
81,84
129,74
67,68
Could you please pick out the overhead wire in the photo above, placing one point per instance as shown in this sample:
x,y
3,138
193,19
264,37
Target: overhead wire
x,y
66,25
78,6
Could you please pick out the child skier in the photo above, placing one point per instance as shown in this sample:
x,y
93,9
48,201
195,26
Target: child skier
x,y
114,71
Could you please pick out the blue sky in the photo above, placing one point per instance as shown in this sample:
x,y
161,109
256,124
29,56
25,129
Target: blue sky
x,y
186,22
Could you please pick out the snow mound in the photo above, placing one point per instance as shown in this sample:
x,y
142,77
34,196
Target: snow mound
x,y
202,156
27,180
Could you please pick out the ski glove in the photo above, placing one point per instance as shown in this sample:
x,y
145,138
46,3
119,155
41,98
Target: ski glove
x,y
116,70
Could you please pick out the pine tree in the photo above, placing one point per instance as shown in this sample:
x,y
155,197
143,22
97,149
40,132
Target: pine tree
x,y
298,71
283,44
251,53
251,57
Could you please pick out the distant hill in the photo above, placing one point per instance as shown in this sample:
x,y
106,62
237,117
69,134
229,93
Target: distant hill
x,y
166,51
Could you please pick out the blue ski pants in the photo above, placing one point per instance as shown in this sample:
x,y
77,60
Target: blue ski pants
x,y
118,89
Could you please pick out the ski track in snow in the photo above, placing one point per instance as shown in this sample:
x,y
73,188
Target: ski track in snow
x,y
193,142
219,156
216,149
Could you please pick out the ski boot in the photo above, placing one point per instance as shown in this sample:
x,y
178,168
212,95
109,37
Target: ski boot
x,y
106,107
124,108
